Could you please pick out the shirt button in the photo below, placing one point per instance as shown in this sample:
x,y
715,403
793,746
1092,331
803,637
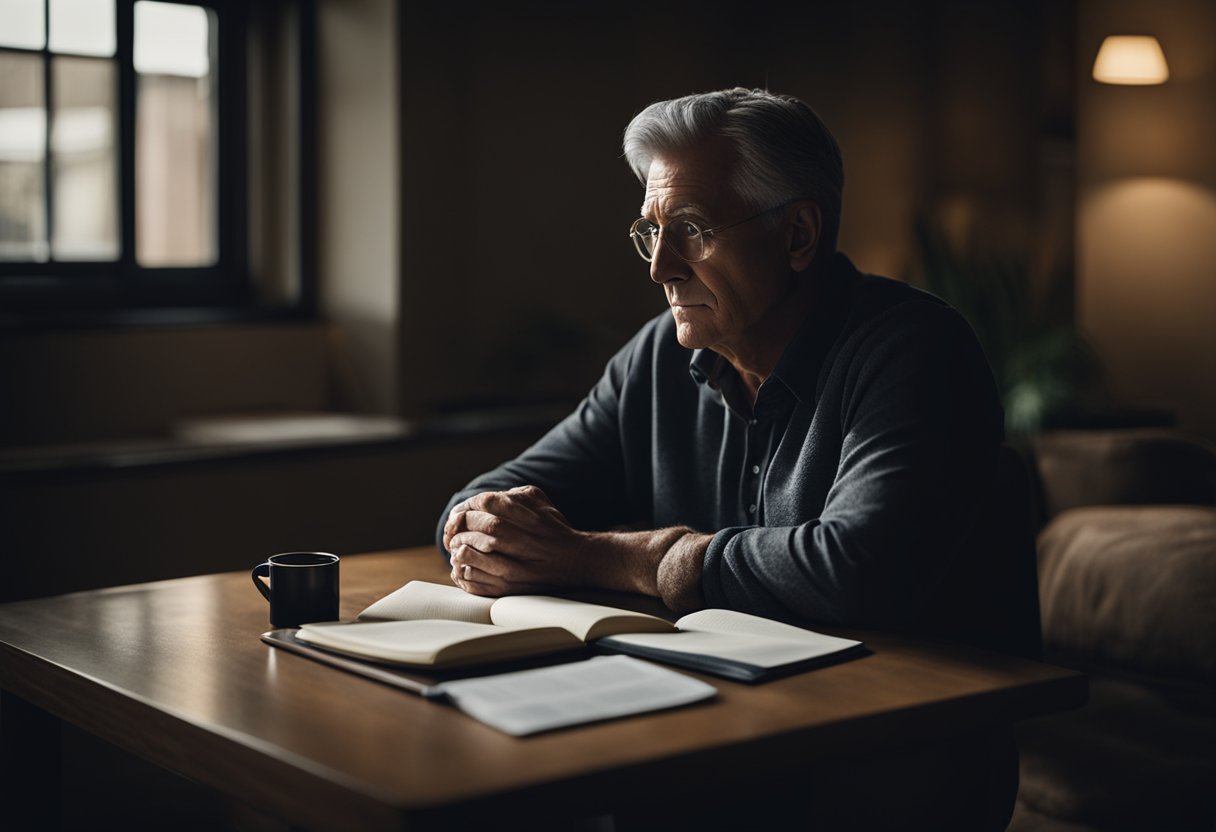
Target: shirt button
x,y
751,509
753,422
755,469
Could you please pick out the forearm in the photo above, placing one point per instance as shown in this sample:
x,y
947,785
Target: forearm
x,y
665,563
516,541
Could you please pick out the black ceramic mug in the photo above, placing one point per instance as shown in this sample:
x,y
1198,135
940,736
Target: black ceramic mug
x,y
303,587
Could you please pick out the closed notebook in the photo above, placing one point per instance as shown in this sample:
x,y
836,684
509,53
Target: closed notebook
x,y
431,625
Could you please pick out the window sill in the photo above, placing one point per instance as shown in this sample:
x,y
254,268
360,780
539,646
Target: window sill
x,y
268,436
159,318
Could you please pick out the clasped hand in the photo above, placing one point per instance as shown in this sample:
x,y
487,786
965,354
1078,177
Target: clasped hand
x,y
510,542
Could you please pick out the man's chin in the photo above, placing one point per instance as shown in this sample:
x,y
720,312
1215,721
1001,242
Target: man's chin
x,y
690,337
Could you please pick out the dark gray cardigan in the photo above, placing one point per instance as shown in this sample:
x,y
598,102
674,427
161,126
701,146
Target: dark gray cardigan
x,y
843,497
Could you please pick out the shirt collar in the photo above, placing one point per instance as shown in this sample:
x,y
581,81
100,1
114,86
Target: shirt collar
x,y
711,370
706,367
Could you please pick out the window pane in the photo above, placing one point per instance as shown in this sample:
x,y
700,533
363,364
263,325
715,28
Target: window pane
x,y
83,161
22,148
85,27
175,146
24,26
172,39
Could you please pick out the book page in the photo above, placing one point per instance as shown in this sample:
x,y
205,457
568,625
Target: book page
x,y
413,642
586,621
529,701
436,642
421,599
741,623
740,637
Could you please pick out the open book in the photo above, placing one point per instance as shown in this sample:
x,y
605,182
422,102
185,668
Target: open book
x,y
435,626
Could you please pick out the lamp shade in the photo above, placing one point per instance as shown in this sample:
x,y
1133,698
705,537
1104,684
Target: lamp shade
x,y
1131,59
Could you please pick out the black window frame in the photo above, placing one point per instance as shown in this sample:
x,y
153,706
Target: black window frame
x,y
122,291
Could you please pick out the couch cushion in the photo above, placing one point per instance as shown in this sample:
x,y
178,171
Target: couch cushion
x,y
1131,589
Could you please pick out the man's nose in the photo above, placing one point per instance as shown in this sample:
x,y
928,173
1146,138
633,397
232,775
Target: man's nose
x,y
666,265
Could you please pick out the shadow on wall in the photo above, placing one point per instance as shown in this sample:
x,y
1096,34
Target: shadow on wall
x,y
548,356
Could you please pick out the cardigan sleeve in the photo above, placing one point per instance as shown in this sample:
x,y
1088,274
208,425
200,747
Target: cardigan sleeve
x,y
921,425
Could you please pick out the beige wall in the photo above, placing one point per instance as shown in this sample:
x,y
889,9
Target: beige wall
x,y
1146,219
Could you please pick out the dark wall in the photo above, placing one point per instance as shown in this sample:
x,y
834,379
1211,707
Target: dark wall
x,y
69,529
88,385
518,279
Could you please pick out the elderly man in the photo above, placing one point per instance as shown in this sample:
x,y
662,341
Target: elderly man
x,y
793,439
796,440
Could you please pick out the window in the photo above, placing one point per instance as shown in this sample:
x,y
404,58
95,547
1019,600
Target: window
x,y
175,98
124,145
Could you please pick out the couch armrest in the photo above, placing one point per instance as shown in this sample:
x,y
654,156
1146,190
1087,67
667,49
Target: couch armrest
x,y
1123,467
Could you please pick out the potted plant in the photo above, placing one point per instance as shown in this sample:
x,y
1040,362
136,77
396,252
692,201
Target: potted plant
x,y
1048,374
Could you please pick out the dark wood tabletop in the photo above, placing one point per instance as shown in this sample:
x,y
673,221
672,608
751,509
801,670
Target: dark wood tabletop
x,y
174,671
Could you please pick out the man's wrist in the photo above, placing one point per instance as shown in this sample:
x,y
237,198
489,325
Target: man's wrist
x,y
665,563
678,576
629,561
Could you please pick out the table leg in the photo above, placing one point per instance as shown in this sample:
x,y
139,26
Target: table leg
x,y
30,767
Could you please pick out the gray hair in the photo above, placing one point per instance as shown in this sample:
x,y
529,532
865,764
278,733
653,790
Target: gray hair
x,y
785,150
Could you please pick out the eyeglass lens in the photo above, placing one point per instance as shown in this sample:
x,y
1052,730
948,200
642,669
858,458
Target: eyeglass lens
x,y
682,236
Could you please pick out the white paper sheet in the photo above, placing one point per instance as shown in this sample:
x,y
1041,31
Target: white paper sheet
x,y
529,701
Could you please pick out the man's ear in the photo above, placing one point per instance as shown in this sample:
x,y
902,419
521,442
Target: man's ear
x,y
805,228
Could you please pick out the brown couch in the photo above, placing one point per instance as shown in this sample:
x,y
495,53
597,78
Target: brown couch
x,y
1127,588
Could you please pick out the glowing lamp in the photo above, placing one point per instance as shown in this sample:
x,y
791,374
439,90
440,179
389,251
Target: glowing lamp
x,y
1131,59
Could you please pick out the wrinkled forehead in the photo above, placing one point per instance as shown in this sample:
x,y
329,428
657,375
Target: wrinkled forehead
x,y
695,179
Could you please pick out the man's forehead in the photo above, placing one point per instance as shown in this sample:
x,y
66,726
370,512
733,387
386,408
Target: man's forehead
x,y
690,179
665,203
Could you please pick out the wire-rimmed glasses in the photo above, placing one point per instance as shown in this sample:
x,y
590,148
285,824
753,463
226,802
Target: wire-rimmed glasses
x,y
683,237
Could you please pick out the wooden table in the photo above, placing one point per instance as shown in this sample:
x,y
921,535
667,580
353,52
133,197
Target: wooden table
x,y
174,672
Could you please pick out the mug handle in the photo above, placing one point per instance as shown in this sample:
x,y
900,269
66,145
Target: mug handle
x,y
262,570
